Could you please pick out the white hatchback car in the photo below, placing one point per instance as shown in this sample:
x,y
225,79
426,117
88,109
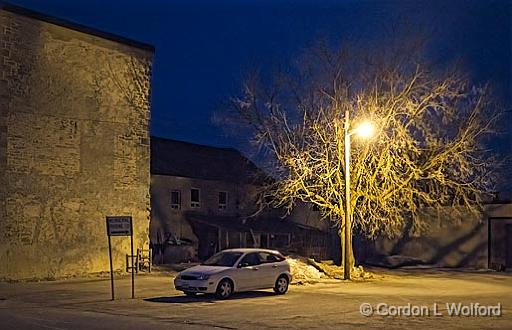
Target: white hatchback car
x,y
236,270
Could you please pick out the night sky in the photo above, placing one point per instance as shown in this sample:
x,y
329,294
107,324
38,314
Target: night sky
x,y
204,47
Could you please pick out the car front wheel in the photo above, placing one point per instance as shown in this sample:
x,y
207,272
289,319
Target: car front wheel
x,y
281,285
224,289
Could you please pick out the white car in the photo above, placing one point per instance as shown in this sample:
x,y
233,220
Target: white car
x,y
236,270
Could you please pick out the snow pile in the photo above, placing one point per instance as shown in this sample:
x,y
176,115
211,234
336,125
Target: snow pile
x,y
302,272
333,271
358,273
307,270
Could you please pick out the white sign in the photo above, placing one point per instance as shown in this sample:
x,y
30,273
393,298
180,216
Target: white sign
x,y
119,226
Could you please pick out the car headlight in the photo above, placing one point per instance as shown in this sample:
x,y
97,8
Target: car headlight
x,y
203,277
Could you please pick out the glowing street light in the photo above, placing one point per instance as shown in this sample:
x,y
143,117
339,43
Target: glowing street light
x,y
365,130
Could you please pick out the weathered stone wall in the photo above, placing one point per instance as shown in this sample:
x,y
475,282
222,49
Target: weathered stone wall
x,y
74,147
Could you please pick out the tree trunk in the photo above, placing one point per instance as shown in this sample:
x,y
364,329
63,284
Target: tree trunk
x,y
341,232
351,261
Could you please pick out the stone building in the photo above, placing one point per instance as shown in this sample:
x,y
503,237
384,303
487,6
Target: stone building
x,y
203,200
74,144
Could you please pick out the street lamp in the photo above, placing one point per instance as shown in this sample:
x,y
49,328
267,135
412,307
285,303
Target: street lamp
x,y
364,130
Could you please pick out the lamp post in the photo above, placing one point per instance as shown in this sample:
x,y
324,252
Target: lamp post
x,y
364,130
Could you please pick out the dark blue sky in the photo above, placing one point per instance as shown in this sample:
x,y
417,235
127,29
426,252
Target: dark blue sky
x,y
203,47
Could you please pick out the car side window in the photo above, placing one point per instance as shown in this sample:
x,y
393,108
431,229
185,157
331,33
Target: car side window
x,y
250,259
279,257
270,257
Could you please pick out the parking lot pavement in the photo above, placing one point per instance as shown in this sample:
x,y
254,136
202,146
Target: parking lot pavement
x,y
86,304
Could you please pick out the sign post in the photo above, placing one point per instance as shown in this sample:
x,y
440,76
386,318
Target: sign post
x,y
120,226
111,268
131,254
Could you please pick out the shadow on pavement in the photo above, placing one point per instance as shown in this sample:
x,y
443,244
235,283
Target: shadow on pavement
x,y
201,298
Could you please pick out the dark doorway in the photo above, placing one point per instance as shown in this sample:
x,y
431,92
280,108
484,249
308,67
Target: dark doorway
x,y
500,244
264,241
249,240
207,240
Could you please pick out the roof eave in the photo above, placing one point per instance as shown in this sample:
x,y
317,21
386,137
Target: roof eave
x,y
75,26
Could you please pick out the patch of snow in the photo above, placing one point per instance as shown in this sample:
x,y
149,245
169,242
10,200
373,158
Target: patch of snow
x,y
302,272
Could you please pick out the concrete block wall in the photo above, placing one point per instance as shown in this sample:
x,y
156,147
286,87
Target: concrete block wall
x,y
74,147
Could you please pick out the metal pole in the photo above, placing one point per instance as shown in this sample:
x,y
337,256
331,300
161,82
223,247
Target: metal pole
x,y
348,211
111,268
133,274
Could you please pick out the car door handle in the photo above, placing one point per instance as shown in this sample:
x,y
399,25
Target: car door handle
x,y
274,266
254,268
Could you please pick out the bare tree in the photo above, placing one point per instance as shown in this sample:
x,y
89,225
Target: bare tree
x,y
428,150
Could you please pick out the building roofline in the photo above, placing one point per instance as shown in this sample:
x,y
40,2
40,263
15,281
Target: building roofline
x,y
74,26
198,155
205,146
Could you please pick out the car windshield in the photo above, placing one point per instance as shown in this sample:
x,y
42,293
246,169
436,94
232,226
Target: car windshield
x,y
223,259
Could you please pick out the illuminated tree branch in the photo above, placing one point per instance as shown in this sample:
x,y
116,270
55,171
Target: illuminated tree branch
x,y
428,151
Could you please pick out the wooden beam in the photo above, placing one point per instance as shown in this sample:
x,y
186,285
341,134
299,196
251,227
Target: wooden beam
x,y
219,233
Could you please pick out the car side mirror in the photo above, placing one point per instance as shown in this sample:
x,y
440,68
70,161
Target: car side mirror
x,y
243,264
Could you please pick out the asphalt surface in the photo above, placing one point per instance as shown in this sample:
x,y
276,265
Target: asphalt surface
x,y
86,304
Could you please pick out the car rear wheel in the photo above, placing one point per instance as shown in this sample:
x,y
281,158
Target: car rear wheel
x,y
224,289
281,285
